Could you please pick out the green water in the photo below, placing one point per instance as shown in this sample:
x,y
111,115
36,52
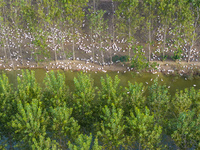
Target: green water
x,y
171,82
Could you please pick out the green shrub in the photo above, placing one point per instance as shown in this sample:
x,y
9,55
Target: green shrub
x,y
120,58
177,54
139,61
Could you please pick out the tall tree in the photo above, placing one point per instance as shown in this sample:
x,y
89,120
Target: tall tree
x,y
98,27
187,130
55,92
83,100
134,97
110,92
7,110
149,12
129,21
158,102
144,133
64,128
27,88
191,30
112,127
29,123
74,17
166,13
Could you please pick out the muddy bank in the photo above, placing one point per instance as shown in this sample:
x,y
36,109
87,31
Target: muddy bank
x,y
168,68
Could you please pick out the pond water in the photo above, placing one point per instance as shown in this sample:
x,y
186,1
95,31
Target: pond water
x,y
171,82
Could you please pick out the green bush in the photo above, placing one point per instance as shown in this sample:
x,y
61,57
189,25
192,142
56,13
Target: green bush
x,y
177,54
120,58
139,61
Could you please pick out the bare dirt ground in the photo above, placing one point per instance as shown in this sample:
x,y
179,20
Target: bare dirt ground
x,y
167,67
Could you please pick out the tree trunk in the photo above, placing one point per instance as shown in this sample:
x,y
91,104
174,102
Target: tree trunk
x,y
194,32
113,25
55,53
129,36
149,40
36,55
63,49
102,55
10,53
73,55
164,42
110,52
6,59
21,54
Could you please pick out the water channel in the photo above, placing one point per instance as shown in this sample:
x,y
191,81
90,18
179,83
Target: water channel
x,y
171,82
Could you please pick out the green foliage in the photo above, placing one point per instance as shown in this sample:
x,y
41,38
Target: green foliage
x,y
44,144
112,127
83,99
6,110
116,117
177,54
110,92
187,132
28,88
134,97
158,102
83,142
164,57
154,65
29,123
120,58
64,128
56,92
144,133
139,61
181,102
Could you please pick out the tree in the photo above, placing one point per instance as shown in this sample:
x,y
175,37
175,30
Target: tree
x,y
112,127
181,102
63,126
27,88
110,92
129,21
149,7
83,100
158,102
7,110
180,26
97,27
187,130
134,97
29,123
165,11
191,31
5,23
144,133
74,17
139,61
84,142
56,92
2,19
